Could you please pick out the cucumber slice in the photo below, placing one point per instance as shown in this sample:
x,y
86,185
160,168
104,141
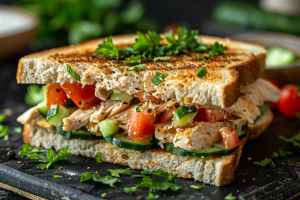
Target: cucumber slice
x,y
109,127
56,114
184,110
79,134
45,90
43,109
121,96
184,121
215,149
278,56
241,131
123,141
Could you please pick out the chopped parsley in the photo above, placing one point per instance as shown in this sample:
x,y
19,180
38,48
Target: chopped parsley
x,y
213,117
86,176
55,176
137,67
196,187
140,176
158,78
176,140
51,157
150,196
130,190
244,110
27,150
165,59
34,95
4,132
274,155
103,195
17,129
138,109
202,71
200,57
2,118
161,172
130,75
98,158
106,180
116,65
133,60
73,73
117,172
230,197
153,185
267,162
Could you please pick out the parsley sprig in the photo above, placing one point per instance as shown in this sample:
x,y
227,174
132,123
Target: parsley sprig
x,y
28,150
149,44
117,172
51,157
106,180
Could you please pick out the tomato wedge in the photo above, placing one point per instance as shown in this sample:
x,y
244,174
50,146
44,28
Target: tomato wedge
x,y
208,115
229,137
83,97
140,126
56,95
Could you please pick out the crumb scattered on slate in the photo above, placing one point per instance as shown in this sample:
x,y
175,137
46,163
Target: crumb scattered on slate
x,y
60,167
256,163
88,168
19,161
249,158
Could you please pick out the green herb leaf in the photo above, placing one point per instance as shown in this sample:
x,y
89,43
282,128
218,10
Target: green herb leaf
x,y
73,73
153,185
98,158
202,71
150,196
130,75
103,195
4,132
165,59
133,60
137,67
107,180
230,197
55,176
158,78
176,140
86,176
140,176
73,163
7,149
17,129
282,152
138,109
34,95
27,149
117,172
274,155
266,162
2,118
199,57
130,190
216,49
116,65
196,187
161,172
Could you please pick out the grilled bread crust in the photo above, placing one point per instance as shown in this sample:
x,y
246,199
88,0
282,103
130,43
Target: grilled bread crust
x,y
238,66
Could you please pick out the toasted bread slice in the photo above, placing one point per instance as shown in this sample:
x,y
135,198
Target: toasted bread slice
x,y
261,125
239,66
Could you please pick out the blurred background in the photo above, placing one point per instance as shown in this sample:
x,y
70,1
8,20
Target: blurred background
x,y
28,26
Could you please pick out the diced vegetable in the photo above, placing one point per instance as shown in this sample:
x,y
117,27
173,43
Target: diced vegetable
x,y
80,134
121,96
43,109
83,97
45,91
207,115
183,110
56,95
56,114
140,126
184,116
109,127
229,137
123,141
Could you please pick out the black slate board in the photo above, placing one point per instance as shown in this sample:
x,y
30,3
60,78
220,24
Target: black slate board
x,y
280,182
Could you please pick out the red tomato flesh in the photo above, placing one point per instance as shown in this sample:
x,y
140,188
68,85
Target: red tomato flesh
x,y
82,97
56,95
228,137
209,115
289,100
140,126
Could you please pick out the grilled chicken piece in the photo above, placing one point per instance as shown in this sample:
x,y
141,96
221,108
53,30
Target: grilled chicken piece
x,y
164,132
79,118
104,110
202,135
30,115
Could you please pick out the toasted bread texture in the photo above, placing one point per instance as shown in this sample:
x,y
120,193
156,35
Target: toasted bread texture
x,y
261,125
239,66
217,171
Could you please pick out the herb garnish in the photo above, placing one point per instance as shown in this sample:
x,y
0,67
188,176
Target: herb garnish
x,y
230,197
137,67
153,185
27,149
4,132
133,60
2,118
17,129
55,176
138,109
103,195
98,158
34,95
202,71
73,73
196,187
117,172
274,155
51,157
200,57
266,162
140,176
116,65
158,78
161,172
130,190
165,59
107,180
176,140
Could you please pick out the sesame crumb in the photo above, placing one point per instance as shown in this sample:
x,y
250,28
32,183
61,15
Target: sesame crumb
x,y
249,158
19,162
256,163
253,179
60,168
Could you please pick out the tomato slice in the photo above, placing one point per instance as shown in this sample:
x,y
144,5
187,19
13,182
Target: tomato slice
x,y
83,97
209,115
229,137
56,95
289,100
140,126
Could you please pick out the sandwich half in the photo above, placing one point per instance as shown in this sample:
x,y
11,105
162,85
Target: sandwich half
x,y
178,104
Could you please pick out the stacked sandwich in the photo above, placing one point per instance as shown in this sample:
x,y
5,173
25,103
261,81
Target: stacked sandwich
x,y
173,102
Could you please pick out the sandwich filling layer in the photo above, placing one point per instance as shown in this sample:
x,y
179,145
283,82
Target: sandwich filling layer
x,y
143,121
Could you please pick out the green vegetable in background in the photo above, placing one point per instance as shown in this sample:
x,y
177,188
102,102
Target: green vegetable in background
x,y
69,22
278,56
34,95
